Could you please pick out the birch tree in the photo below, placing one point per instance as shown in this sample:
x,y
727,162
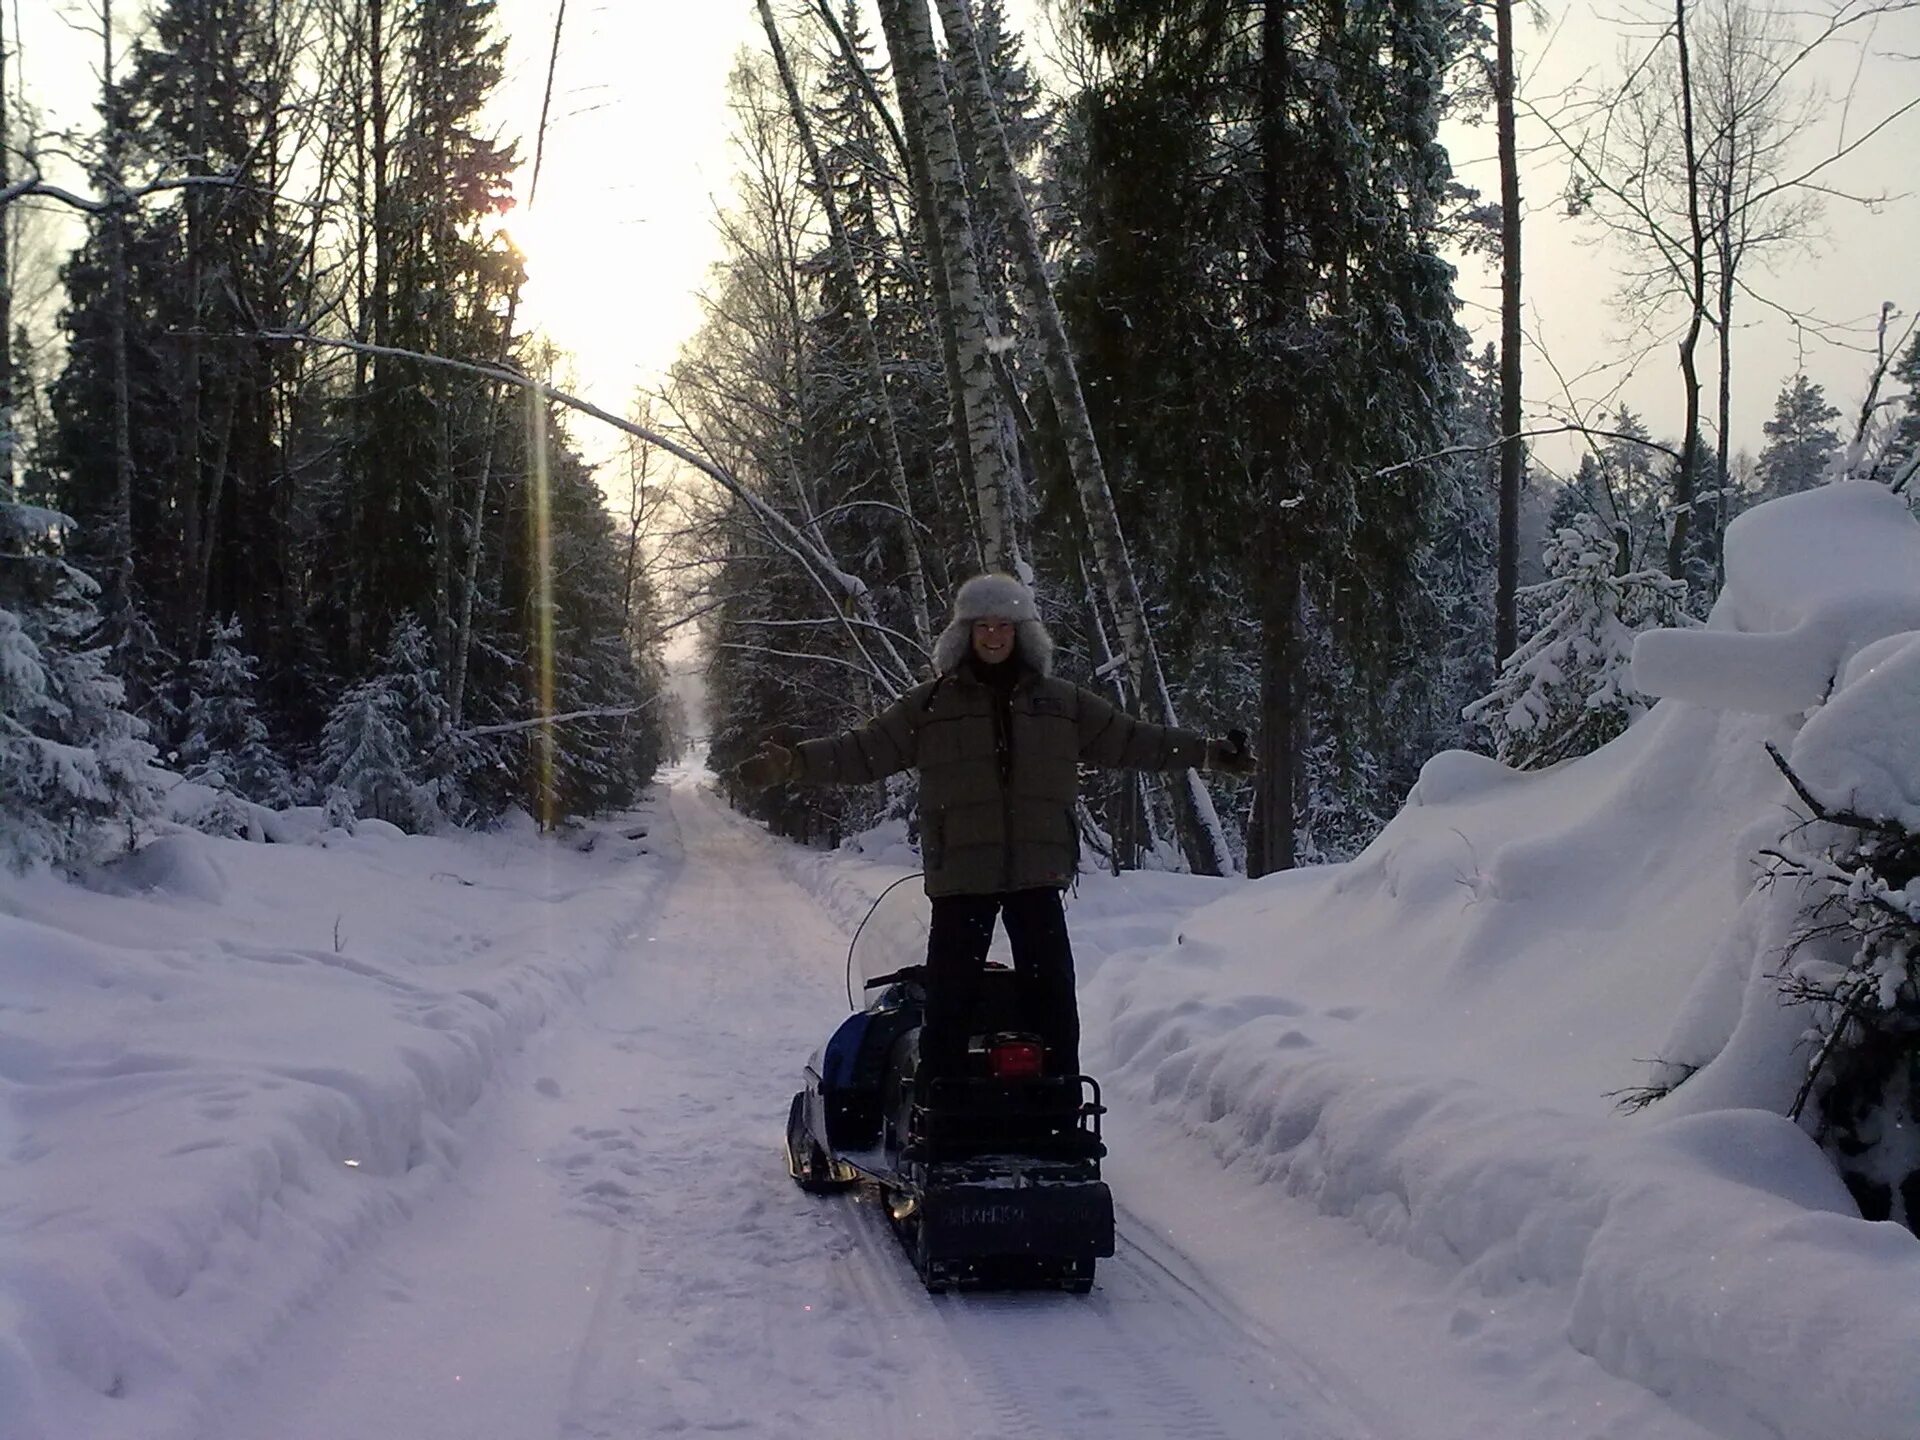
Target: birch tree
x,y
1209,853
879,398
927,117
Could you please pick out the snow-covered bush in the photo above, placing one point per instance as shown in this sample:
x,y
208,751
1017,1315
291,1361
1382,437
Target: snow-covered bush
x,y
226,745
1856,965
73,761
1565,691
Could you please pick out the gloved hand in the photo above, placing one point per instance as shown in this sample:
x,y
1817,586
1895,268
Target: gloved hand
x,y
1231,755
774,763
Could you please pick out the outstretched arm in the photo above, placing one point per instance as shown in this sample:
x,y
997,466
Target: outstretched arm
x,y
885,744
1111,737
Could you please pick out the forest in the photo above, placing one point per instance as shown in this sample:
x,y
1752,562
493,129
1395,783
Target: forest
x,y
1164,319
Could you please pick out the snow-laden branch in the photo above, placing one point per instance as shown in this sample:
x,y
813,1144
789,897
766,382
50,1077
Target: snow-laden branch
x,y
1487,446
30,186
539,721
851,586
795,655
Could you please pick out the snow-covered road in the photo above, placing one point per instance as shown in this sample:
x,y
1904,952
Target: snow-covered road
x,y
621,1253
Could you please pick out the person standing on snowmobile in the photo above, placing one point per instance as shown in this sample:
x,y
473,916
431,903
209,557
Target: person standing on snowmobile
x,y
998,742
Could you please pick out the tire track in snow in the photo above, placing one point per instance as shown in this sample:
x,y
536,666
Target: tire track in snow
x,y
737,1304
1151,1353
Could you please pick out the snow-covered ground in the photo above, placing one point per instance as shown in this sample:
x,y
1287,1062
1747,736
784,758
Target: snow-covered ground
x,y
479,1136
261,1187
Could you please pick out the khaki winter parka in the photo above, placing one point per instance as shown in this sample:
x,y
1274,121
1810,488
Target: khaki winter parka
x,y
997,794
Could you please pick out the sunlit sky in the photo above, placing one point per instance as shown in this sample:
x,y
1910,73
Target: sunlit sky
x,y
621,233
637,156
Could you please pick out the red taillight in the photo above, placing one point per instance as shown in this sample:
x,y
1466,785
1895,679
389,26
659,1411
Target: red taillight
x,y
1014,1059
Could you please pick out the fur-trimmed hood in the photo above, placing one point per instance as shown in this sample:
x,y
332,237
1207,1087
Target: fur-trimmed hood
x,y
990,595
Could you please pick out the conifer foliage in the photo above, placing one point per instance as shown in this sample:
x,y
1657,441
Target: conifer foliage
x,y
74,759
295,543
1854,963
1566,690
1801,440
226,744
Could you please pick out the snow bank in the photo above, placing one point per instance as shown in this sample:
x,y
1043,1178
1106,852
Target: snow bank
x,y
230,1066
1811,579
1428,1041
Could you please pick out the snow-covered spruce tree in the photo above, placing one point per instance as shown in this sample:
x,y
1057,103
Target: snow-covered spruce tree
x,y
363,764
436,759
1854,961
73,758
1619,484
226,744
1565,691
387,746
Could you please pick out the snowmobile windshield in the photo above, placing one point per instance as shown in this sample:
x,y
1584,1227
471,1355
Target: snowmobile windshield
x,y
894,935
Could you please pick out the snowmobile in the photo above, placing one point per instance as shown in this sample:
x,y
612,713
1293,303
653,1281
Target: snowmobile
x,y
990,1178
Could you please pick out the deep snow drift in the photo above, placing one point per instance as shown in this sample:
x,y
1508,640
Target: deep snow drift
x,y
1425,1040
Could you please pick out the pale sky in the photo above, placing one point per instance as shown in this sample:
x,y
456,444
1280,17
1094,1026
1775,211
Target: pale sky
x,y
638,153
620,235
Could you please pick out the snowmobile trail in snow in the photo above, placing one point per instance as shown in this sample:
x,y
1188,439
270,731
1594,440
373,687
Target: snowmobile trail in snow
x,y
621,1253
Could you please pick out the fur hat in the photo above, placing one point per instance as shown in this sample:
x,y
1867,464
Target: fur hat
x,y
994,595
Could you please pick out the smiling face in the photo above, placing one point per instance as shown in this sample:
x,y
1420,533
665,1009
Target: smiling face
x,y
993,637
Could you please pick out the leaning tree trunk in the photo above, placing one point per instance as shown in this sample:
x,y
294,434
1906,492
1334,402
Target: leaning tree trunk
x,y
1206,843
935,296
869,345
932,296
923,97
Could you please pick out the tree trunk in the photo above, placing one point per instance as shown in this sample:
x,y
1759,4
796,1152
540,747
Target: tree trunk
x,y
1507,565
938,292
1129,822
1683,485
120,584
869,345
1722,458
187,478
201,561
923,92
373,490
6,290
1210,855
1270,838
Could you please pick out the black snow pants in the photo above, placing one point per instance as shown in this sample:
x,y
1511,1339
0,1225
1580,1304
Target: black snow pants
x,y
957,942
